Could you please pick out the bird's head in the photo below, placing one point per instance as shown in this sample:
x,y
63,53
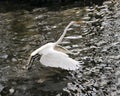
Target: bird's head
x,y
31,59
38,52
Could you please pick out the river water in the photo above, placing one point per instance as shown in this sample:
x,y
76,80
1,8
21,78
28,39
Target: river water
x,y
96,40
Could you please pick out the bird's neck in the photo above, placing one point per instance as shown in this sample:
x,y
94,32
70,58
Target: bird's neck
x,y
62,36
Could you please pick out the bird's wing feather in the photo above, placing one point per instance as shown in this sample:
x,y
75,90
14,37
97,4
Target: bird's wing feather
x,y
59,60
62,49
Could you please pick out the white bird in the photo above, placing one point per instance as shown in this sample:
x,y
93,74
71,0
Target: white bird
x,y
53,55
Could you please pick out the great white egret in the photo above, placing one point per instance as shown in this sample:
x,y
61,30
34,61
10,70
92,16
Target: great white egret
x,y
54,55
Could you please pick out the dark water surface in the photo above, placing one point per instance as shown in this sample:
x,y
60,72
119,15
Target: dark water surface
x,y
96,40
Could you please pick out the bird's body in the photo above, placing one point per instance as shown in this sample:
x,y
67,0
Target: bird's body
x,y
58,59
53,55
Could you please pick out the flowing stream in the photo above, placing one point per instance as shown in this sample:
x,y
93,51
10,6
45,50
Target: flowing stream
x,y
96,39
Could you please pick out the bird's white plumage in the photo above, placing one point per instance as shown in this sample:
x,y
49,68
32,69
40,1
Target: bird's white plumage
x,y
53,55
59,60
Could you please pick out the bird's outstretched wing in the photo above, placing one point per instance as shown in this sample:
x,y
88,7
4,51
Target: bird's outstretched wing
x,y
62,49
59,60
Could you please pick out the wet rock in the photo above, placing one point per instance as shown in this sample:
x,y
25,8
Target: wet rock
x,y
5,56
96,22
1,87
98,16
86,18
73,37
7,91
11,90
89,10
14,60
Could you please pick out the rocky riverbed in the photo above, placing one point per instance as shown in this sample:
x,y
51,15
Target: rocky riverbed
x,y
96,40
